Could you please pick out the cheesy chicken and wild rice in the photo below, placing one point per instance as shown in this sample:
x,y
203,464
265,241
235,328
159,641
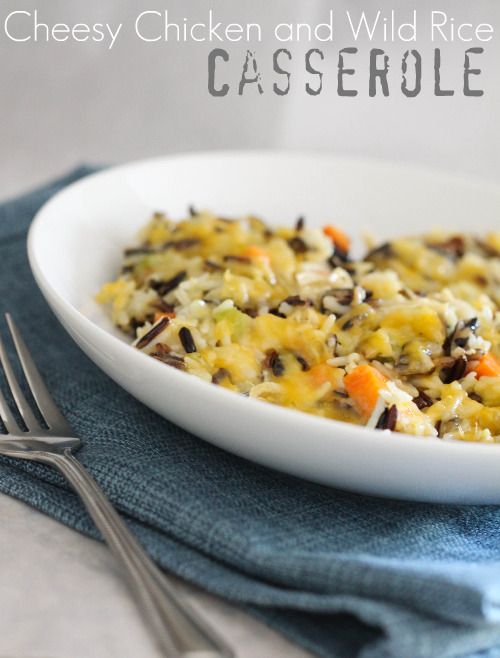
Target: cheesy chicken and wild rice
x,y
406,338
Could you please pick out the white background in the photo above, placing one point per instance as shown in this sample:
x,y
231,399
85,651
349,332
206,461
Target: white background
x,y
64,103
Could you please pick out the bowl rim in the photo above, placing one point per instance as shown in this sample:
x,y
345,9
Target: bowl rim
x,y
274,412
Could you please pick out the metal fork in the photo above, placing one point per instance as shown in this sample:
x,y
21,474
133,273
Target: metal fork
x,y
179,630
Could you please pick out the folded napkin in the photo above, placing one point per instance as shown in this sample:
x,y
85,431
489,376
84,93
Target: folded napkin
x,y
343,575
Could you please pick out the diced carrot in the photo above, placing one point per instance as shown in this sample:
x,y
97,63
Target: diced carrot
x,y
322,373
159,315
255,252
338,237
488,366
363,385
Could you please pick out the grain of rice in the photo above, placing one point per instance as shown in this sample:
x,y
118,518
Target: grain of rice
x,y
187,340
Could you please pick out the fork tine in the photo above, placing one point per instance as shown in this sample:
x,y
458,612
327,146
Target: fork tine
x,y
7,417
21,402
51,414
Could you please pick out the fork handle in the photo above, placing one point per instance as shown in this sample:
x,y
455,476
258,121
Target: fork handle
x,y
179,630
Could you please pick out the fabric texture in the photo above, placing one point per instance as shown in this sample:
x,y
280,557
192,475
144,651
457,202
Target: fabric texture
x,y
345,576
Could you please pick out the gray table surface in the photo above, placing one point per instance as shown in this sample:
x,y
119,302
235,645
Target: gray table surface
x,y
61,597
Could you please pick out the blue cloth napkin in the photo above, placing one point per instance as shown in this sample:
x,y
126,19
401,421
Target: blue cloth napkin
x,y
343,575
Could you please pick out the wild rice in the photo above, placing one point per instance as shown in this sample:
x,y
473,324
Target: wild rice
x,y
285,315
164,287
152,333
187,340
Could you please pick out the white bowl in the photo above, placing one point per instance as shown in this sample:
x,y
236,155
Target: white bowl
x,y
75,244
